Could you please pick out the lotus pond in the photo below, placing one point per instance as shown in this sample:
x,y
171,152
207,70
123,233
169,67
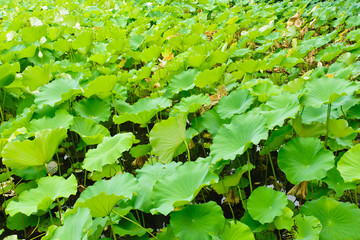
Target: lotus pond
x,y
207,119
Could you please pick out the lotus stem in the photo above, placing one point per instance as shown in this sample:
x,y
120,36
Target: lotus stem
x,y
251,188
57,156
188,151
273,170
356,198
232,212
135,223
112,227
147,128
59,208
241,198
327,124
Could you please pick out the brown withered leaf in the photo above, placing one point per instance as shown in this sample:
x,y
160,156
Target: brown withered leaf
x,y
139,161
300,190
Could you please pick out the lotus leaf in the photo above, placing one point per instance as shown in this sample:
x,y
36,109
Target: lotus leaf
x,y
237,230
305,159
142,111
93,108
101,86
168,136
235,138
101,197
236,102
76,226
57,91
33,153
208,77
108,151
36,76
307,227
197,221
90,132
61,119
188,181
334,180
326,90
349,165
183,81
285,220
7,73
41,198
339,220
190,104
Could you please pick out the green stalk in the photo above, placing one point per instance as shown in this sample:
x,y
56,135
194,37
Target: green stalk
x,y
251,188
135,223
59,208
273,170
356,199
188,151
232,212
112,228
241,198
327,124
57,156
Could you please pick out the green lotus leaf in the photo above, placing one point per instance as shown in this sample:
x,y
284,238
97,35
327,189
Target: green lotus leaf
x,y
290,62
349,165
339,128
334,180
83,41
136,41
7,73
93,108
20,221
326,90
285,220
147,176
183,81
33,33
263,89
57,91
217,56
108,151
90,132
150,53
307,228
210,121
237,230
188,181
236,102
167,136
209,76
36,76
339,220
310,114
190,104
101,197
264,204
142,111
305,159
76,226
280,107
41,198
330,52
33,153
197,221
308,130
140,150
235,138
101,86
61,119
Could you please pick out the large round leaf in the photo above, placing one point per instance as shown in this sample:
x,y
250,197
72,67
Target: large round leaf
x,y
235,138
41,198
101,197
236,102
167,136
264,204
349,164
339,220
33,153
334,180
197,221
101,86
305,159
147,176
76,226
307,227
183,81
237,230
90,132
61,119
108,151
142,111
57,92
181,188
326,90
190,104
93,108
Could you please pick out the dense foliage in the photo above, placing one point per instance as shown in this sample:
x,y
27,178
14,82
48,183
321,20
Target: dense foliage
x,y
208,119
